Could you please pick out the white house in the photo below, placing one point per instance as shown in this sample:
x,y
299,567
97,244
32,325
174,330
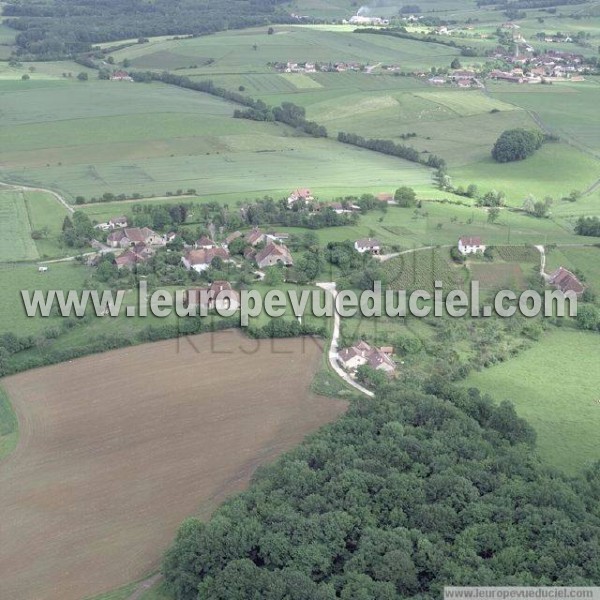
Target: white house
x,y
471,245
368,245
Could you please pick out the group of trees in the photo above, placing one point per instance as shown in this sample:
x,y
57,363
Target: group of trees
x,y
588,226
55,29
517,144
403,495
393,149
288,113
77,231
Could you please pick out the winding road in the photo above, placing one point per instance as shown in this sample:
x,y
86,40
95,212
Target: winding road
x,y
330,287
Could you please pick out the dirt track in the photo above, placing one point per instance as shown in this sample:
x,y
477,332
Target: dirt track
x,y
116,449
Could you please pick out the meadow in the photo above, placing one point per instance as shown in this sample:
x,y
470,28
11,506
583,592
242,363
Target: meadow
x,y
15,228
17,277
90,138
554,385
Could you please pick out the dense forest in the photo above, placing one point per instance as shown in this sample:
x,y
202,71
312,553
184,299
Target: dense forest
x,y
405,494
58,28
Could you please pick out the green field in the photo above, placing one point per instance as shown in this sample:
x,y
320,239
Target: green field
x,y
60,276
9,431
15,228
89,138
555,386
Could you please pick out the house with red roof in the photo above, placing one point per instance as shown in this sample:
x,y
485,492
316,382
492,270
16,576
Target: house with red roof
x,y
565,281
471,245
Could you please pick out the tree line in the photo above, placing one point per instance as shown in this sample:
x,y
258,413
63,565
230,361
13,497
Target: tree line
x,y
588,226
54,29
405,494
392,148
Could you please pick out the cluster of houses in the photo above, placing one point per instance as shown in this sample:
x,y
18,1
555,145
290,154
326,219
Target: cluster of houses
x,y
264,249
463,78
562,279
138,243
553,65
323,67
364,354
359,19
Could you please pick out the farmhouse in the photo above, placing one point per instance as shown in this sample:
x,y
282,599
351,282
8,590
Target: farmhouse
x,y
385,197
202,259
138,253
205,243
273,254
367,245
121,76
219,296
130,236
364,354
115,223
470,245
303,195
565,281
255,237
232,236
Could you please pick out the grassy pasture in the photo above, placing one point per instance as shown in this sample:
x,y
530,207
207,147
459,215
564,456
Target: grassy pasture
x,y
105,144
233,51
44,211
15,229
9,429
60,276
568,109
96,528
554,170
554,385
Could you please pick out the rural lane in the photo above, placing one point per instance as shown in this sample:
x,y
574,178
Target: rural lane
x,y
333,348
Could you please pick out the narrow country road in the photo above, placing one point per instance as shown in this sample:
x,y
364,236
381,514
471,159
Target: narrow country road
x,y
333,348
26,188
542,252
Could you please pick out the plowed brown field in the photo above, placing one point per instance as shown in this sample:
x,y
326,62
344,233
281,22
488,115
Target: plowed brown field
x,y
116,449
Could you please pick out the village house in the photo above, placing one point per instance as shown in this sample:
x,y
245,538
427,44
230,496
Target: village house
x,y
255,237
121,76
471,245
129,236
277,237
171,236
303,195
364,354
202,259
205,243
139,253
115,223
565,281
219,296
385,197
273,254
368,245
231,237
340,209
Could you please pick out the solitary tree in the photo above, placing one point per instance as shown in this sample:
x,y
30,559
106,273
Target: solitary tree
x,y
405,196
